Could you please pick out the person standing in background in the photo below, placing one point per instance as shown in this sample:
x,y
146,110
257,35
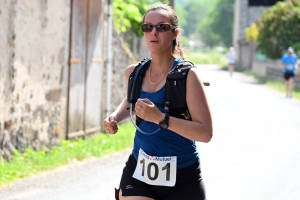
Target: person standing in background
x,y
231,57
289,61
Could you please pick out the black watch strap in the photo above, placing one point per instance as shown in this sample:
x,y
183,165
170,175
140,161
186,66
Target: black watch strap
x,y
165,123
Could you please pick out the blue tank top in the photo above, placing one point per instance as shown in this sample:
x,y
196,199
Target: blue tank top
x,y
289,63
164,142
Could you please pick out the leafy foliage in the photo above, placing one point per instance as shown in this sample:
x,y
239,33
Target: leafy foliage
x,y
208,36
219,24
181,13
195,11
217,28
279,28
252,33
213,19
128,14
223,23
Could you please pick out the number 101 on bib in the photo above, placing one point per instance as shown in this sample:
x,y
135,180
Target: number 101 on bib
x,y
155,170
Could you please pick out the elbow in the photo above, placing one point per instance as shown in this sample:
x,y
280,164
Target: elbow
x,y
203,133
208,136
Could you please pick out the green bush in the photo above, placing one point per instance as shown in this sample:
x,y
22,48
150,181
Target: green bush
x,y
279,29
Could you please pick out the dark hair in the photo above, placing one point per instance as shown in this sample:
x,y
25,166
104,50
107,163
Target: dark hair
x,y
177,48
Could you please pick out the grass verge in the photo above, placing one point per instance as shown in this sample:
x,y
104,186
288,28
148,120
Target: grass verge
x,y
275,84
31,162
207,57
272,83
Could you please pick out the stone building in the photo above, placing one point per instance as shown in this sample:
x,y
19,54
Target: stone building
x,y
246,13
53,60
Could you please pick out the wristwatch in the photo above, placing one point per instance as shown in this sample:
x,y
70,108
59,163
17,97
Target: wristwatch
x,y
165,123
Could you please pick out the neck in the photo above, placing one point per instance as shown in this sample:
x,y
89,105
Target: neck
x,y
159,74
161,63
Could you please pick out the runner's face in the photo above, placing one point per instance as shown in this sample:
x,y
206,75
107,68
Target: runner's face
x,y
158,42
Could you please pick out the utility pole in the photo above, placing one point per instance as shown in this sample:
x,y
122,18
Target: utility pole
x,y
171,3
109,56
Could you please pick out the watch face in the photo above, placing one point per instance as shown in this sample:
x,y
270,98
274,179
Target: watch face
x,y
163,125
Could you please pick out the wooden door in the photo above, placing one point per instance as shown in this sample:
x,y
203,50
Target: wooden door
x,y
95,66
86,65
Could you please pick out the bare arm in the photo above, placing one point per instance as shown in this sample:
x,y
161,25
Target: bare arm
x,y
200,129
110,124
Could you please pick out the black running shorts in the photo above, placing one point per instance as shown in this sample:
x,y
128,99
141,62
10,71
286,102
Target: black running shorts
x,y
189,184
287,76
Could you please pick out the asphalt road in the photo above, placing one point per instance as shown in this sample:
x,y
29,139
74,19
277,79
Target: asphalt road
x,y
254,153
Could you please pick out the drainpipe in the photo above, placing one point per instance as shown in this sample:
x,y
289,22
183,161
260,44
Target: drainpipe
x,y
109,58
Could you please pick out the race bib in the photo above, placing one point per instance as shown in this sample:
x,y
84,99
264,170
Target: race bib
x,y
156,170
289,67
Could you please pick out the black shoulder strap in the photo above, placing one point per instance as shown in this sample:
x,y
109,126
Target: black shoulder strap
x,y
135,80
184,65
175,89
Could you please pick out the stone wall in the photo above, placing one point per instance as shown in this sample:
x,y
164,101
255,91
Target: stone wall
x,y
34,73
121,58
269,68
245,54
34,49
273,69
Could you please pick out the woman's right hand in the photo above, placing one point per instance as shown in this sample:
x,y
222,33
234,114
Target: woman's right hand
x,y
110,125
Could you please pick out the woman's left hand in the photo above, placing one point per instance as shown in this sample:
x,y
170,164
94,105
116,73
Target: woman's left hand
x,y
147,110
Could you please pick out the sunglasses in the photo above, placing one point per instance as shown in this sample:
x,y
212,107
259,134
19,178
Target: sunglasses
x,y
161,27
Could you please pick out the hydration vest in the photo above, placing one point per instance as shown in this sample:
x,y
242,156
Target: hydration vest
x,y
175,88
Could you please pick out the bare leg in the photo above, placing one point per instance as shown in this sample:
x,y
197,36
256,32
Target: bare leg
x,y
287,88
291,86
230,69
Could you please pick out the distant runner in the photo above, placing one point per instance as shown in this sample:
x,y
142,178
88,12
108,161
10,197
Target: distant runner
x,y
289,61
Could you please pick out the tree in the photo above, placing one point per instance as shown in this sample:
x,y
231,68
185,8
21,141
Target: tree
x,y
217,29
128,14
279,28
196,11
208,37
